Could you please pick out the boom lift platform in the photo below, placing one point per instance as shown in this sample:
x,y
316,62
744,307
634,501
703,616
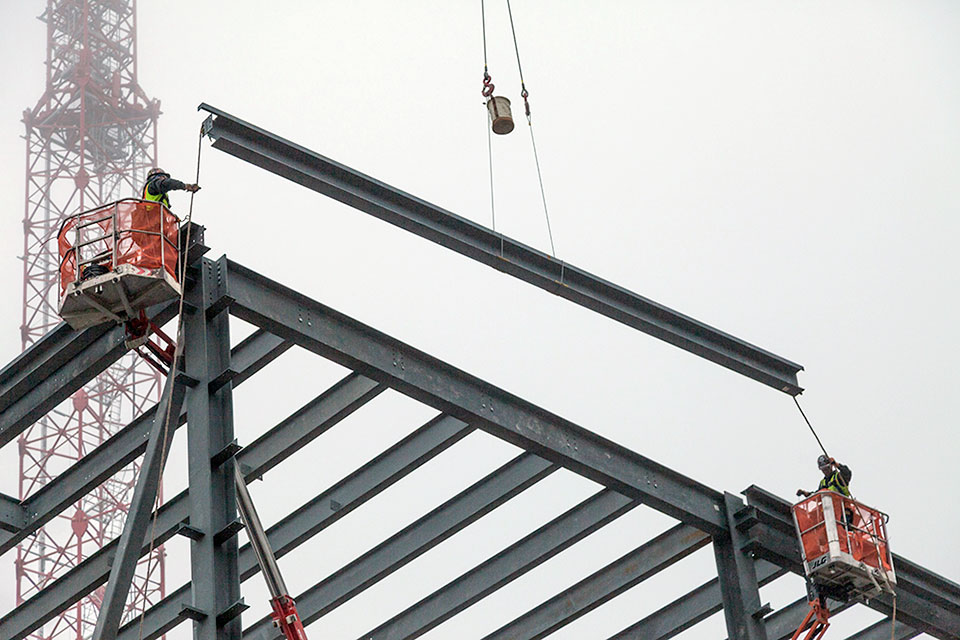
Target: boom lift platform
x,y
116,260
846,555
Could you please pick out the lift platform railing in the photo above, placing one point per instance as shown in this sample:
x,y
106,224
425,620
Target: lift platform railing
x,y
129,231
844,543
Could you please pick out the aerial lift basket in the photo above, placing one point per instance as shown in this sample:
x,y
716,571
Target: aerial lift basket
x,y
117,260
844,544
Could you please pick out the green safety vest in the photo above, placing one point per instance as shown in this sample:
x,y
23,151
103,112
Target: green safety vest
x,y
162,198
835,483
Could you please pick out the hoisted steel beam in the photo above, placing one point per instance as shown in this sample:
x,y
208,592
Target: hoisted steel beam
x,y
312,170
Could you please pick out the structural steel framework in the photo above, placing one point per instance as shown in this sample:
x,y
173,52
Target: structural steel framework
x,y
753,541
90,139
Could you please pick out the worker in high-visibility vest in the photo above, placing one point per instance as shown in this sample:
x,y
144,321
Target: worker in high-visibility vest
x,y
159,183
836,477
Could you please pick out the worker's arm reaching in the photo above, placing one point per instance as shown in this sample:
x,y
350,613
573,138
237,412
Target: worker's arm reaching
x,y
160,184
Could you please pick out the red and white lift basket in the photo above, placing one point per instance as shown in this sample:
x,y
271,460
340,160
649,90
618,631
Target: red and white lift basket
x,y
844,544
117,260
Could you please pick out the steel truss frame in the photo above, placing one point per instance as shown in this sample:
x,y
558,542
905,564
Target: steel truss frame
x,y
753,540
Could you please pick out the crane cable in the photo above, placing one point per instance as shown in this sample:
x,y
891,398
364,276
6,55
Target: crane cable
x,y
177,352
487,92
526,106
893,593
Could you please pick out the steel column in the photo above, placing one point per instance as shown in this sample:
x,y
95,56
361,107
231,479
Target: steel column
x,y
141,507
213,563
738,579
607,583
318,328
13,515
511,563
308,168
319,513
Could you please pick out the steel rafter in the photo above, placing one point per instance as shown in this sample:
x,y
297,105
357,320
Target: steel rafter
x,y
314,171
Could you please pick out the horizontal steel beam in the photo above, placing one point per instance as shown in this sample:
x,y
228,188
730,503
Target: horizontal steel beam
x,y
413,541
694,607
329,408
524,555
607,583
124,447
333,335
427,442
310,169
926,601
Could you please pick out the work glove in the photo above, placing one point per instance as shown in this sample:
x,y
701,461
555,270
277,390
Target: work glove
x,y
801,492
192,188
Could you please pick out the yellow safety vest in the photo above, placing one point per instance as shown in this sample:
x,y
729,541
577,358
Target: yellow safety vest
x,y
162,198
835,483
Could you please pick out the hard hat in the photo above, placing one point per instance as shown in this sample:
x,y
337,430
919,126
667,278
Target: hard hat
x,y
157,171
823,461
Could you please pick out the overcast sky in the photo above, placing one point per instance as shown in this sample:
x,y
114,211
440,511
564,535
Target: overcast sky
x,y
785,172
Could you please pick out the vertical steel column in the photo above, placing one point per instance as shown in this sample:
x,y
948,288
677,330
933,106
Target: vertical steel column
x,y
213,508
739,588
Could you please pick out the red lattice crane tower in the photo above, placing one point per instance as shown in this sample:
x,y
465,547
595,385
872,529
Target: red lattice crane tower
x,y
90,139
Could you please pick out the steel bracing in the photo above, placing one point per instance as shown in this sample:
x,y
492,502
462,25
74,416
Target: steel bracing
x,y
90,139
752,539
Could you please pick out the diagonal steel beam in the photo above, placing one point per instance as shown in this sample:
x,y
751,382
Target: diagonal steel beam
x,y
328,409
308,168
141,507
607,583
13,515
333,335
683,613
124,447
511,563
881,631
433,438
783,623
413,541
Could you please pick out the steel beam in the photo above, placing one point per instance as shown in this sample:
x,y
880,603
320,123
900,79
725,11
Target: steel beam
x,y
508,565
413,541
739,588
881,631
607,583
694,607
124,447
141,507
328,409
308,168
13,515
322,330
925,601
433,438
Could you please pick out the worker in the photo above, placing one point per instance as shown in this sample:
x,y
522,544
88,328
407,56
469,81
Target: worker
x,y
159,183
836,477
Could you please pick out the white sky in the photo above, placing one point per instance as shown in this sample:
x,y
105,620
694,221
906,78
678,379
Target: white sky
x,y
785,172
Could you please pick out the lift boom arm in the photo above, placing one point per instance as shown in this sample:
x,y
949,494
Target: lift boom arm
x,y
285,614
